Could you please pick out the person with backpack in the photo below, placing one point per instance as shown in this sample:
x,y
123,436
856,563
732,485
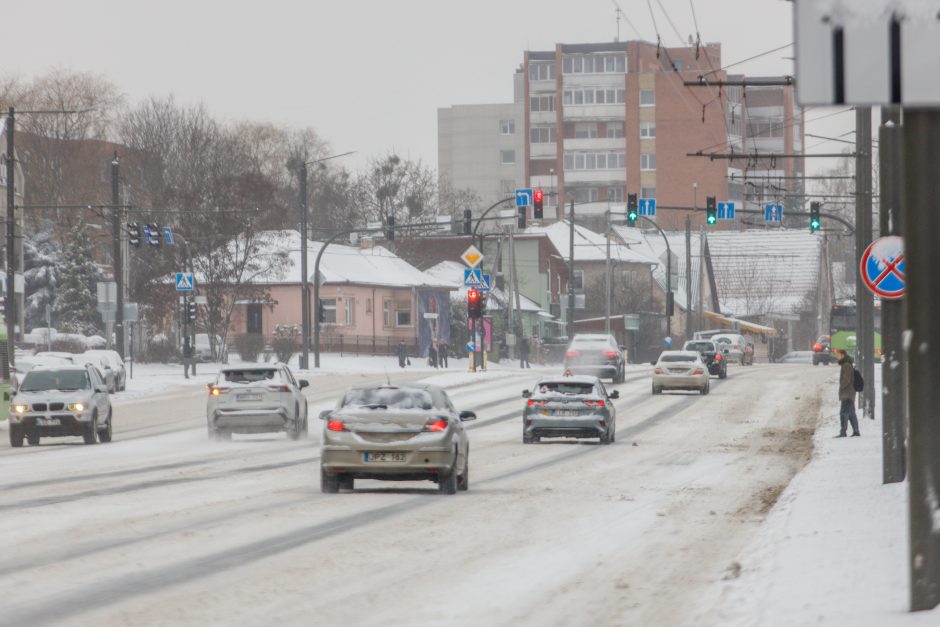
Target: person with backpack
x,y
850,382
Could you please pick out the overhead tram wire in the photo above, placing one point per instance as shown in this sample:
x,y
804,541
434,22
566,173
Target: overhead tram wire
x,y
708,60
783,126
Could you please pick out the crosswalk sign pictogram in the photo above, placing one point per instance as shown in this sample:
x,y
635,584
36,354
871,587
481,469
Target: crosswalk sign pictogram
x,y
184,282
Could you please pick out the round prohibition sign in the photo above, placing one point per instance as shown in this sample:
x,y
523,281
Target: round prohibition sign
x,y
882,267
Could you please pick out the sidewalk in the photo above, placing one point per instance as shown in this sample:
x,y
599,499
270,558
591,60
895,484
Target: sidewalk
x,y
833,550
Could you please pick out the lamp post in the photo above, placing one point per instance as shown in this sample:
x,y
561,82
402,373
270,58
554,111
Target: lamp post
x,y
304,279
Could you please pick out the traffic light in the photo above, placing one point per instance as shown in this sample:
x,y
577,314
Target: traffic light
x,y
153,234
390,228
191,310
814,222
467,222
133,234
537,198
521,219
321,312
474,303
632,212
711,210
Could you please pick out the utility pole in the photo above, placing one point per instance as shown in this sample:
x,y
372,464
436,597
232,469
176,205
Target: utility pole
x,y
865,335
10,302
116,220
607,280
919,193
701,280
304,287
688,277
571,271
894,362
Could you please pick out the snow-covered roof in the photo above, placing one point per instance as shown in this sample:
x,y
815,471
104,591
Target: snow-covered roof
x,y
588,245
452,272
339,264
652,245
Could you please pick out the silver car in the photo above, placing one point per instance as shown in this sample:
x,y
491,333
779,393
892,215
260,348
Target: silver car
x,y
115,363
256,399
680,370
399,432
735,347
57,401
569,406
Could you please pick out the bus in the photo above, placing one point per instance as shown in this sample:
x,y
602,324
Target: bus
x,y
842,322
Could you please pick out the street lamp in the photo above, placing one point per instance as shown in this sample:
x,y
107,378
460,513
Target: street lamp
x,y
304,286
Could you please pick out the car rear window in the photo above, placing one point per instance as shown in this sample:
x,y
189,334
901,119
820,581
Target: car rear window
x,y
700,346
565,387
389,398
669,358
40,380
250,375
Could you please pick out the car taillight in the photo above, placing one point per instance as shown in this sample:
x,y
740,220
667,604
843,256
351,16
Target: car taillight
x,y
698,371
717,356
594,403
817,347
532,403
278,388
336,425
737,346
435,424
216,390
659,371
612,354
572,354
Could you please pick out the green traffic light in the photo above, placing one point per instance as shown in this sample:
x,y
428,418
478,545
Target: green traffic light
x,y
711,219
632,216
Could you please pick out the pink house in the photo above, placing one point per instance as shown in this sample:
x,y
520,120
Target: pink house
x,y
371,298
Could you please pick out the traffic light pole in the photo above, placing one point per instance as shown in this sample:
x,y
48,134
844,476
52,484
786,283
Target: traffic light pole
x,y
116,221
304,286
10,302
865,302
570,328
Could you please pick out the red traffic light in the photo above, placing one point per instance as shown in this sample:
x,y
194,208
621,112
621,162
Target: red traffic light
x,y
473,296
538,195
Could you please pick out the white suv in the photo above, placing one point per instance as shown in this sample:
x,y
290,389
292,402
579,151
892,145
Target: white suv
x,y
256,399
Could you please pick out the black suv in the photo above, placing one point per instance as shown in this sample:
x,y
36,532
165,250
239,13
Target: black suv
x,y
595,354
711,355
821,348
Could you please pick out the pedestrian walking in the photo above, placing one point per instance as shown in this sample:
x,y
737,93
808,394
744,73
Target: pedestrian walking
x,y
432,354
442,350
188,358
524,352
402,354
846,393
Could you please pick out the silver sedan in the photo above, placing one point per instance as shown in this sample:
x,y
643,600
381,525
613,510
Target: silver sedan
x,y
680,370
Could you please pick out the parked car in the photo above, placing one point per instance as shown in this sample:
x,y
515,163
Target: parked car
x,y
103,366
406,432
736,347
56,401
822,351
116,364
680,370
256,399
204,351
712,356
68,357
595,354
572,406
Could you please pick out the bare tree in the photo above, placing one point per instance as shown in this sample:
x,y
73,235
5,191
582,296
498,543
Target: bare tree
x,y
394,187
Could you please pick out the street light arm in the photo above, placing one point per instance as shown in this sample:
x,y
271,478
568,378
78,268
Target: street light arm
x,y
488,209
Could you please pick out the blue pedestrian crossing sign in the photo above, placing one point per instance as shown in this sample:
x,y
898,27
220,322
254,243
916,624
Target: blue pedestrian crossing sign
x,y
524,197
773,213
185,282
726,211
473,277
167,235
487,283
647,207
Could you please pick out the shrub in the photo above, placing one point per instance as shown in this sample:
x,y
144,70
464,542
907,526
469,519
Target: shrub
x,y
249,346
68,344
285,347
161,349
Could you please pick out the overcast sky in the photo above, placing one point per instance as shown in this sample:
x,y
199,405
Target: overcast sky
x,y
368,75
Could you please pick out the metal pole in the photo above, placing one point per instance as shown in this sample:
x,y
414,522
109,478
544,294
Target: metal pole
x,y
668,273
607,280
700,317
571,271
116,219
919,193
304,287
893,365
863,298
688,277
10,303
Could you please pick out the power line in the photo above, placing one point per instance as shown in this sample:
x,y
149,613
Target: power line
x,y
757,56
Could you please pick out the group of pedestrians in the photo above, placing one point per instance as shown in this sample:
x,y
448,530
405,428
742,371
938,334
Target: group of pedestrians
x,y
438,353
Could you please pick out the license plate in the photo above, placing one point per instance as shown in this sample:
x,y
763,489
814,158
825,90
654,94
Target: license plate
x,y
567,413
384,457
247,397
48,422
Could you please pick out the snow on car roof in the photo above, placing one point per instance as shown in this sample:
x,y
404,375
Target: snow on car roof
x,y
574,378
679,353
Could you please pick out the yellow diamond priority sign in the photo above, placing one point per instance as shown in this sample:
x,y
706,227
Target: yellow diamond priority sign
x,y
472,256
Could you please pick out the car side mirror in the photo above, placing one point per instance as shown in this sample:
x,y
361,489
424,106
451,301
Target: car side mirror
x,y
526,393
467,415
325,414
615,394
303,383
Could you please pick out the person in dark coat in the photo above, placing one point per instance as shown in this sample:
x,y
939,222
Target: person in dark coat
x,y
846,393
442,349
188,358
432,354
524,352
402,353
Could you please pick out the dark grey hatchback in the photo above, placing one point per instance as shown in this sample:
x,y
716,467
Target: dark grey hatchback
x,y
569,406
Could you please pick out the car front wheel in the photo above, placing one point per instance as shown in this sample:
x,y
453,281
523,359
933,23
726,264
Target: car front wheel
x,y
91,431
105,434
16,436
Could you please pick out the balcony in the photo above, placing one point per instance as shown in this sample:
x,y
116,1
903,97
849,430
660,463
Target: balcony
x,y
596,143
542,117
595,112
596,176
543,151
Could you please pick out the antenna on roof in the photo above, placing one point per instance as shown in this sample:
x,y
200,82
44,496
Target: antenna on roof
x,y
617,13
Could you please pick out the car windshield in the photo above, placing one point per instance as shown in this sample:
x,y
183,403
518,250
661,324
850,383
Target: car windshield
x,y
41,380
700,346
389,398
565,387
671,358
723,340
247,375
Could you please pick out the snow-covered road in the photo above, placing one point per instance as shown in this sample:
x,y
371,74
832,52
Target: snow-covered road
x,y
162,527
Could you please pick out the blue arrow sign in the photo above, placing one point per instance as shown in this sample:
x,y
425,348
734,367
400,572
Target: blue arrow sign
x,y
524,197
473,277
185,282
726,211
773,213
647,207
168,235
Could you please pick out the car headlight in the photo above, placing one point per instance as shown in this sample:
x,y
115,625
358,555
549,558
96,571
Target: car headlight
x,y
79,407
20,409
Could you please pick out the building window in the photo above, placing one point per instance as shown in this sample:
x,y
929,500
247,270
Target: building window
x,y
648,161
403,314
577,280
542,135
647,98
388,312
614,194
507,186
647,129
507,127
585,130
542,103
594,63
615,129
647,192
507,156
590,95
349,310
329,310
595,160
586,194
544,71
